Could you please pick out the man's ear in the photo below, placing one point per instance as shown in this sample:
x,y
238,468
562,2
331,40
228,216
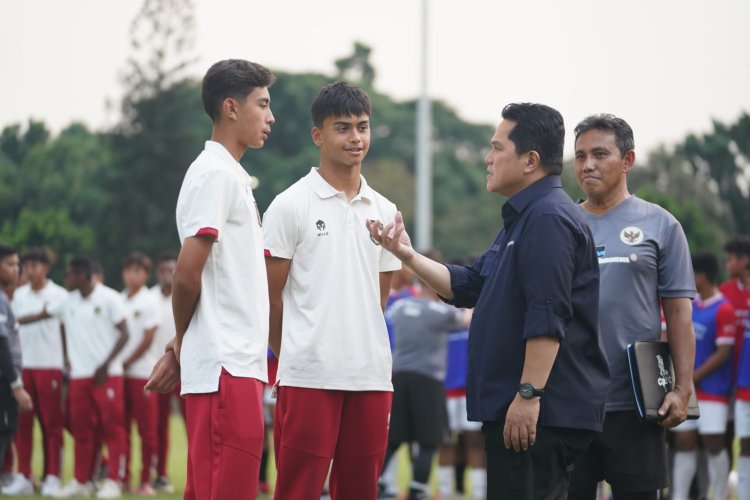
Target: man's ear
x,y
533,161
628,161
229,108
315,134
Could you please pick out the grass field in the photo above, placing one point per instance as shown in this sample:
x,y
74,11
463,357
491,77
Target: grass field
x,y
177,461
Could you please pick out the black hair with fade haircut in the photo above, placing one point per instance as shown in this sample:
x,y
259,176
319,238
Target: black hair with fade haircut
x,y
138,259
339,99
37,254
738,245
6,251
81,264
538,128
610,123
707,264
232,78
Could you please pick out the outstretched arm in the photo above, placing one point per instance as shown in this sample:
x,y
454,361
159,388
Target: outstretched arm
x,y
395,239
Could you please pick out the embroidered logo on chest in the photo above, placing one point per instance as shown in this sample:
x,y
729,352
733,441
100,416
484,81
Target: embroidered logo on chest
x,y
631,235
320,225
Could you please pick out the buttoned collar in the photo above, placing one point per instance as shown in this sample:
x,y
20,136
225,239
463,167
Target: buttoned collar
x,y
325,190
519,201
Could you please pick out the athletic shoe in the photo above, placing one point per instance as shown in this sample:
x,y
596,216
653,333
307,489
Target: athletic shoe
x,y
51,487
110,489
162,485
145,490
20,486
76,489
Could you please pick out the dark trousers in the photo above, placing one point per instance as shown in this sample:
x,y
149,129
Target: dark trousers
x,y
541,472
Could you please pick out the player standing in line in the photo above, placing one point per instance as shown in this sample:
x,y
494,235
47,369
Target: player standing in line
x,y
44,358
220,292
742,411
163,293
328,283
139,357
96,331
12,394
737,288
714,325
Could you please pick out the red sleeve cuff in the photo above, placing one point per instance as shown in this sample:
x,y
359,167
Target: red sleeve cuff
x,y
208,231
267,253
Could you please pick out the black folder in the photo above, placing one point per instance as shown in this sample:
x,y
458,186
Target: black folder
x,y
652,377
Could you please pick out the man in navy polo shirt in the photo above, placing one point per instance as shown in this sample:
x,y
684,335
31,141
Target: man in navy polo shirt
x,y
537,372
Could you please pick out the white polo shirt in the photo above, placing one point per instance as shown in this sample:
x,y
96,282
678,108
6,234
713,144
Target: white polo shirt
x,y
41,342
230,325
166,330
142,312
90,329
333,330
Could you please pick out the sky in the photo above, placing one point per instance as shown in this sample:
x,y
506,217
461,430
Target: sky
x,y
666,66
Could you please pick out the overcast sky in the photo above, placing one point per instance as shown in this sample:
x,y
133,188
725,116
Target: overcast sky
x,y
666,66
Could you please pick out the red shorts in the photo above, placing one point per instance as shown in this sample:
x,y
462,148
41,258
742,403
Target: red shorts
x,y
141,408
225,440
314,426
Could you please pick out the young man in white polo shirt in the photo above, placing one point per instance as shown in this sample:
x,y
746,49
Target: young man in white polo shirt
x,y
96,331
220,292
43,360
332,282
139,357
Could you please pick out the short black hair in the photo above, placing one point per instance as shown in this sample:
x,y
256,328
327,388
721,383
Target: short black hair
x,y
235,78
6,251
611,123
37,254
166,257
538,128
707,264
339,99
81,264
136,258
738,245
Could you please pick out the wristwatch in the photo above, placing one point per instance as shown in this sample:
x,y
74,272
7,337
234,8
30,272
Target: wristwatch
x,y
528,391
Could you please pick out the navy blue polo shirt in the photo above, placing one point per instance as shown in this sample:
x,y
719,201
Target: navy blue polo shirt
x,y
539,278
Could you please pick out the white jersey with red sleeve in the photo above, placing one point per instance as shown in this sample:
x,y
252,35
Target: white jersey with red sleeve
x,y
229,328
739,296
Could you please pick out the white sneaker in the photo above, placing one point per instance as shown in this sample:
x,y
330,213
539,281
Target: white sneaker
x,y
20,486
109,489
75,489
51,487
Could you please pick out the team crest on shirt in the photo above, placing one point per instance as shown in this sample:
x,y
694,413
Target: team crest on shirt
x,y
320,225
631,235
97,310
137,314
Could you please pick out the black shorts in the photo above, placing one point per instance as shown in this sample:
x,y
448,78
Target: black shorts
x,y
418,413
631,455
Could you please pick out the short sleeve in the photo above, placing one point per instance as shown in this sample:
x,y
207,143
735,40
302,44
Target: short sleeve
x,y
280,228
115,308
726,325
207,204
675,268
56,306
